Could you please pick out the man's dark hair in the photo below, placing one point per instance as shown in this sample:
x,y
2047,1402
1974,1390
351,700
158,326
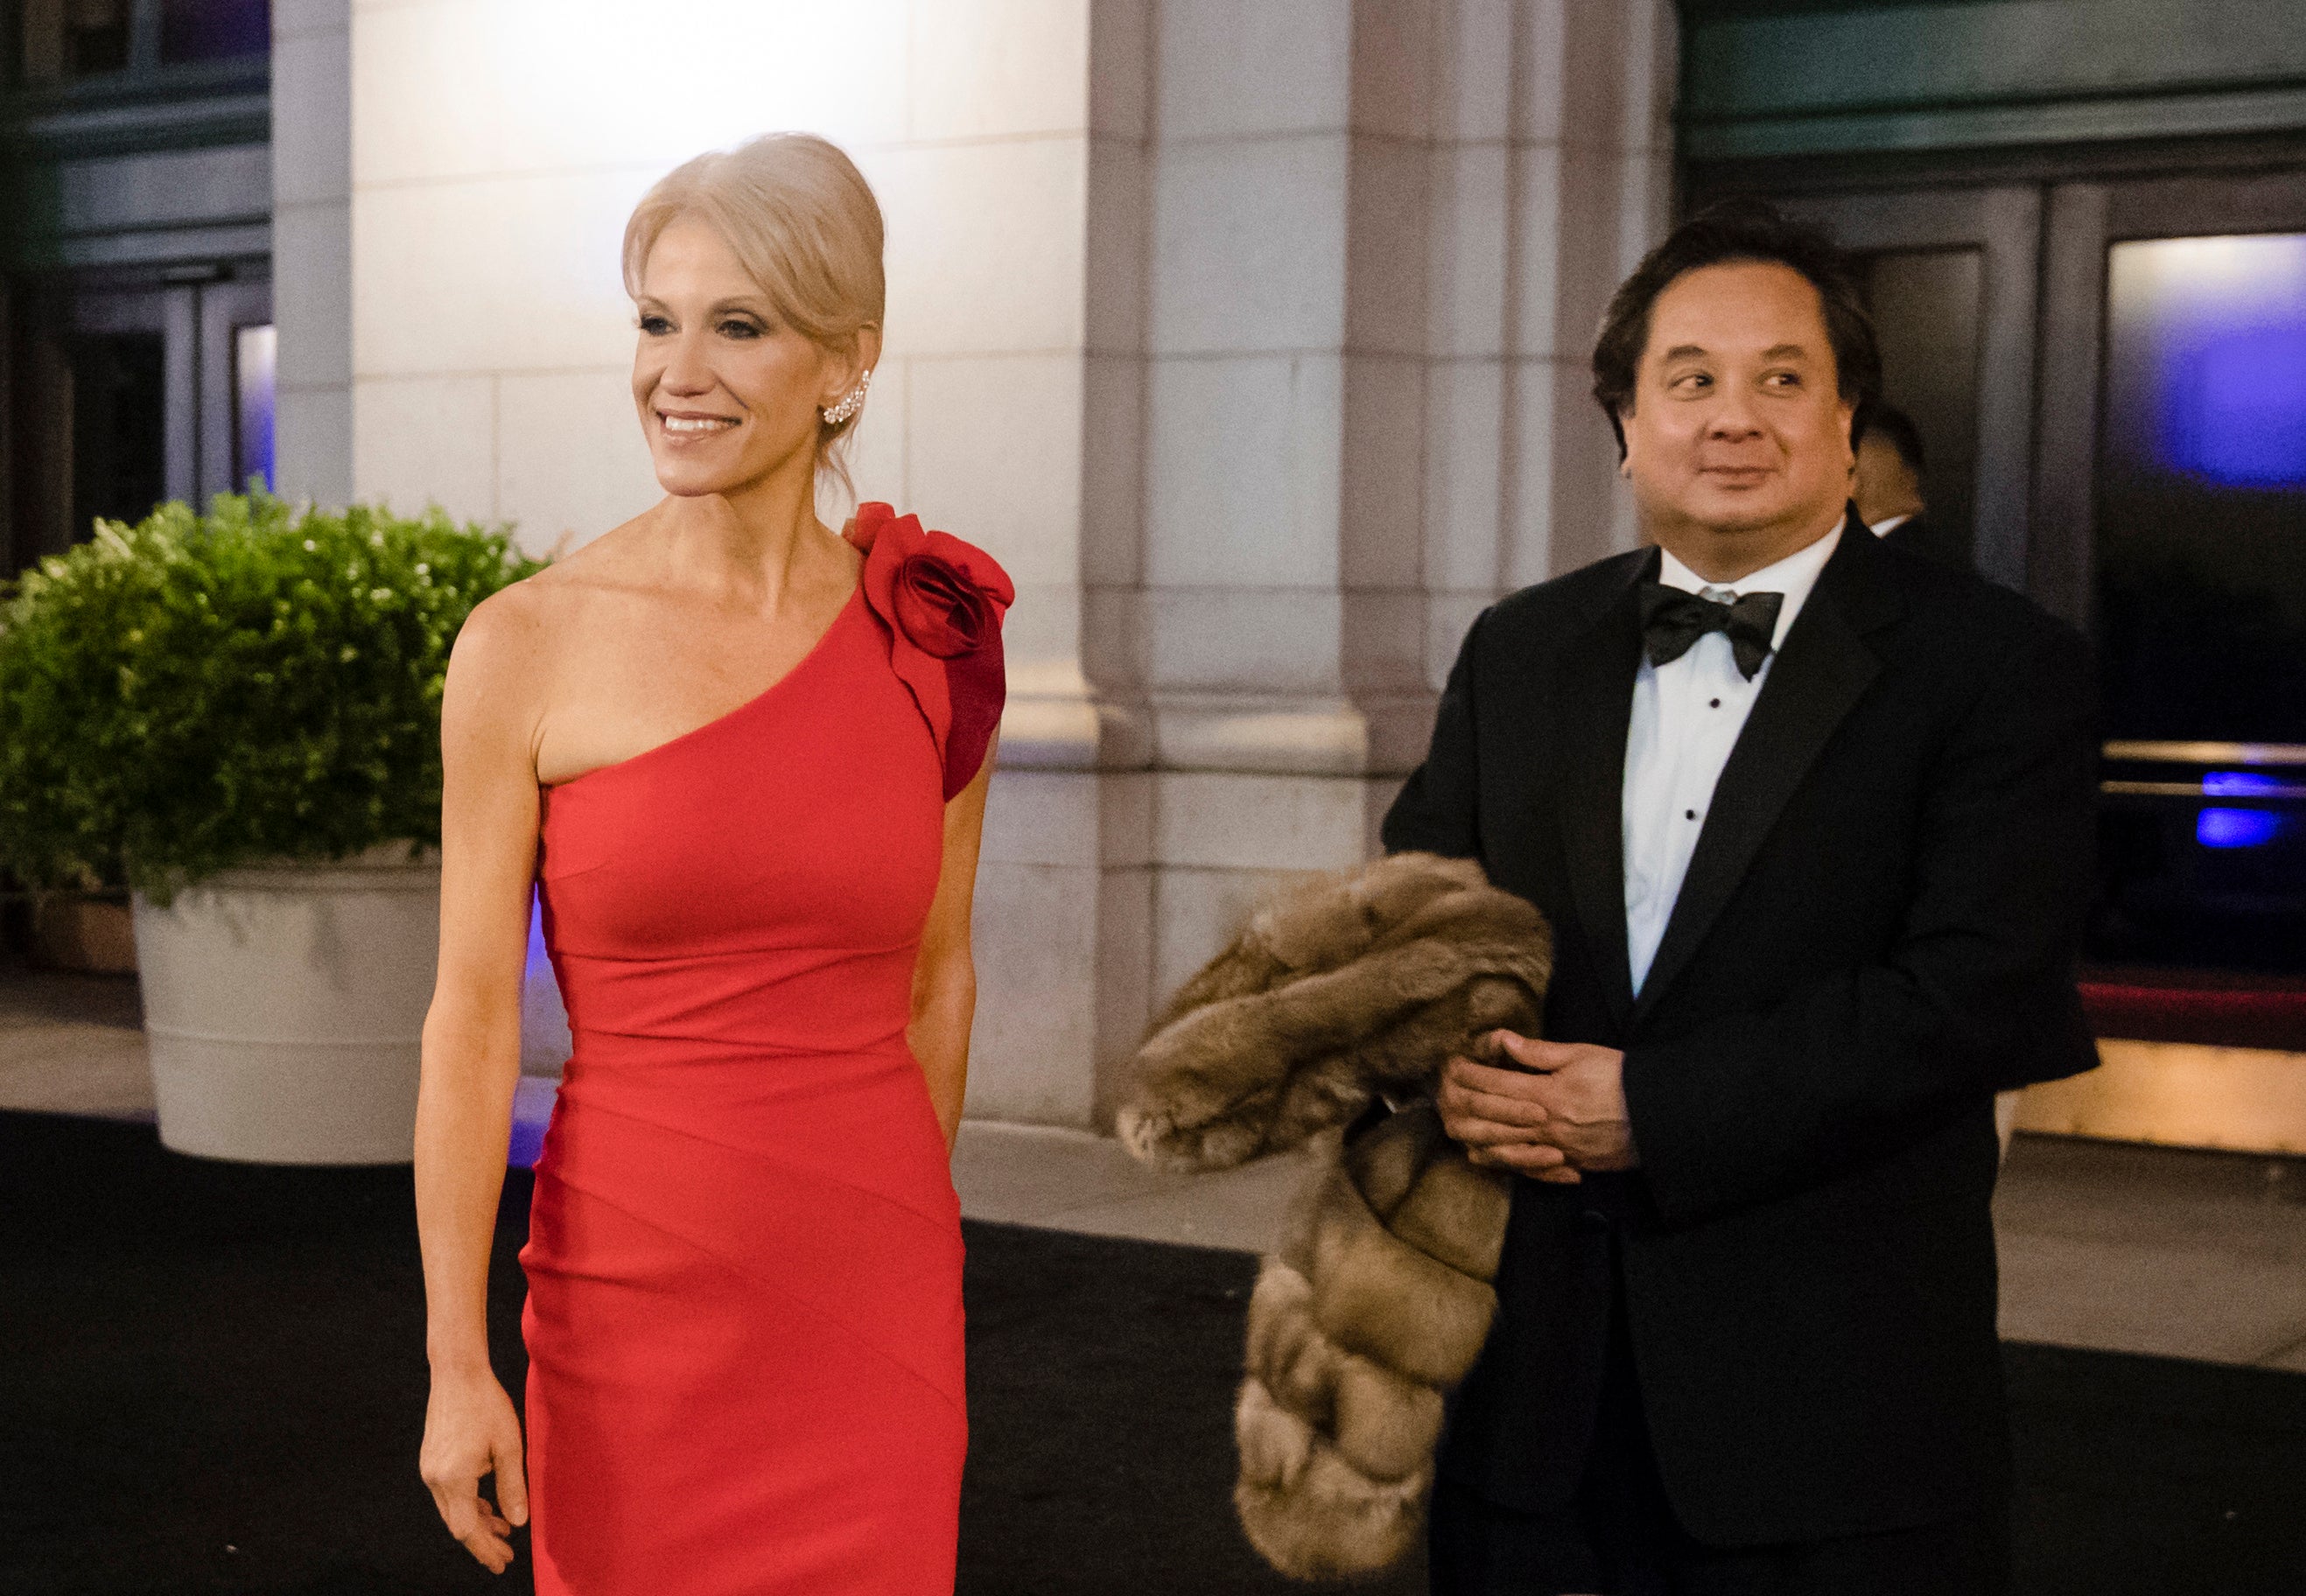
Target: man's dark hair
x,y
1895,428
1730,231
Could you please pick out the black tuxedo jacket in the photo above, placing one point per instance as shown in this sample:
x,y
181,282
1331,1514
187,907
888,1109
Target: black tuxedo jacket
x,y
1878,931
1922,536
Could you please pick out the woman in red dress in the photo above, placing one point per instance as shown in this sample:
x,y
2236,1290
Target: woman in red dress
x,y
743,760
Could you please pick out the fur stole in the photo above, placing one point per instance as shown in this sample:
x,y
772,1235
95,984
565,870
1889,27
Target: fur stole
x,y
1341,997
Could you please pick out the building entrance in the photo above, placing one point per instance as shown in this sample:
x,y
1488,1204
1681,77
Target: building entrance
x,y
127,392
2109,378
1950,277
2173,492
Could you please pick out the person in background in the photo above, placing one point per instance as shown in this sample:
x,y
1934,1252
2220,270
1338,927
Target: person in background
x,y
1887,490
1891,464
1811,818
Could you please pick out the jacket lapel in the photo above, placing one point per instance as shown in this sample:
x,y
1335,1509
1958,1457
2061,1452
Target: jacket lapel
x,y
1820,674
1596,696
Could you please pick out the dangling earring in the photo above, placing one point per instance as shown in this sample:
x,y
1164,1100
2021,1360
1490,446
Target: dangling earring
x,y
850,402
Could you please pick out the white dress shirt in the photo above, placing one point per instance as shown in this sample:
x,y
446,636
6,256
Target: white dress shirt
x,y
1687,717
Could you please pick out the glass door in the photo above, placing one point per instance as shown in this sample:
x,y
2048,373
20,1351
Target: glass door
x,y
125,393
117,369
2109,379
2200,579
2171,499
236,386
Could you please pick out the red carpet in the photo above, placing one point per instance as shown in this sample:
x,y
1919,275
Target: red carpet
x,y
2216,1008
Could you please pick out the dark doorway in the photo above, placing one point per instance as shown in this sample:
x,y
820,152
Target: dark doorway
x,y
2172,499
124,393
1929,308
119,432
2199,597
2108,373
1951,278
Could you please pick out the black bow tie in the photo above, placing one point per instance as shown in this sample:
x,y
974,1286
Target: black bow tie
x,y
1673,620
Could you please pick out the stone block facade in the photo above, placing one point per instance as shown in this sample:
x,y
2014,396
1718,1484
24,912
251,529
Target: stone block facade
x,y
1250,338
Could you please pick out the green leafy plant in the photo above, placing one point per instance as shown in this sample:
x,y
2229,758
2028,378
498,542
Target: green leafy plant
x,y
262,682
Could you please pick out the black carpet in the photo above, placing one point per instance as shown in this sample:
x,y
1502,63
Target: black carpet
x,y
212,1379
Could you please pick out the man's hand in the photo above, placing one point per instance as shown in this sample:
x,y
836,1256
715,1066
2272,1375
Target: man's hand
x,y
1494,1112
1581,1088
1563,1112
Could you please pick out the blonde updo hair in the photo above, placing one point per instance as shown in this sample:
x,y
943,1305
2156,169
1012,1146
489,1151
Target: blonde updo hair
x,y
803,221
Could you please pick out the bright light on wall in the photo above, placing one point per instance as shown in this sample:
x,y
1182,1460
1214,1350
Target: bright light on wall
x,y
255,358
2221,325
2236,828
2241,784
650,85
499,146
2232,268
557,115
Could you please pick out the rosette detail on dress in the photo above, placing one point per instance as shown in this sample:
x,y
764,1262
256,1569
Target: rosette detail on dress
x,y
941,601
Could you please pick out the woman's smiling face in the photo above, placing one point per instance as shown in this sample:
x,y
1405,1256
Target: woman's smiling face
x,y
728,394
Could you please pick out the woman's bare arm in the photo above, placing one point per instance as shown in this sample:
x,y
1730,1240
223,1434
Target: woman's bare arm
x,y
488,720
945,978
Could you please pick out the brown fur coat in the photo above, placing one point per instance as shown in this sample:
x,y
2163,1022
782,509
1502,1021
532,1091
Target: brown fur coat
x,y
1378,1298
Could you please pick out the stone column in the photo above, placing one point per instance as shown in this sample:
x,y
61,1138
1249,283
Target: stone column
x,y
1346,260
1064,897
311,248
1250,336
1553,174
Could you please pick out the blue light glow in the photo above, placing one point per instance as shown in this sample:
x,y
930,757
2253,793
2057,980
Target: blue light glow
x,y
525,1143
2239,783
2235,408
2236,828
255,357
2207,350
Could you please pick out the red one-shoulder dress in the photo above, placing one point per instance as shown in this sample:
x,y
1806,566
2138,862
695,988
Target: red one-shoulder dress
x,y
744,1315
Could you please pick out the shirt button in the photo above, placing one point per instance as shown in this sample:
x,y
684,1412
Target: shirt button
x,y
1689,814
1715,704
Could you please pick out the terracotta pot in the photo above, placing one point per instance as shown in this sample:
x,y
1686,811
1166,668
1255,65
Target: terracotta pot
x,y
96,935
285,1007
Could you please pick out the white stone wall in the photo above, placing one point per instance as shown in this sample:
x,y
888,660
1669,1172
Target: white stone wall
x,y
311,248
498,145
1552,175
1352,263
1249,334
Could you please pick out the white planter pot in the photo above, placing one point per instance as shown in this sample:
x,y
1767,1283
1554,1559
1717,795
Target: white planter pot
x,y
285,1007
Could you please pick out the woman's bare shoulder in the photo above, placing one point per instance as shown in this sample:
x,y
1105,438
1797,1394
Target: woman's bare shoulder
x,y
517,628
613,559
499,669
515,646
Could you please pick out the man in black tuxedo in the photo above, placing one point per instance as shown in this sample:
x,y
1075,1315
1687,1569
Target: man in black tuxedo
x,y
1889,486
1810,819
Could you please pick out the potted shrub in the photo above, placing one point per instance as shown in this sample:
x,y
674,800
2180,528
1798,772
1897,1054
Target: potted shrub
x,y
237,716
